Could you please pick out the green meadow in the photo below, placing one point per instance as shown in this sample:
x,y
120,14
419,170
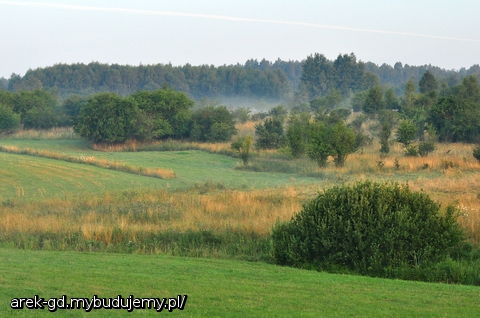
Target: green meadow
x,y
52,211
48,177
220,288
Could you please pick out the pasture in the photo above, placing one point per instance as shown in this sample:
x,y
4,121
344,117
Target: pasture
x,y
213,208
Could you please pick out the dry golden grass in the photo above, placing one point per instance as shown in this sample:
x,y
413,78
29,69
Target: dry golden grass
x,y
154,211
247,128
53,133
102,163
159,211
449,175
446,158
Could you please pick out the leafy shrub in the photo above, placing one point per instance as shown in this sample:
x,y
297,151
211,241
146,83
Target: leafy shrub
x,y
242,114
425,147
243,146
362,140
297,133
411,150
8,119
368,228
212,124
384,136
107,117
406,132
270,134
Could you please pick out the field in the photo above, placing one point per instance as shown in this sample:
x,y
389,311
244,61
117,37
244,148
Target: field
x,y
221,288
55,200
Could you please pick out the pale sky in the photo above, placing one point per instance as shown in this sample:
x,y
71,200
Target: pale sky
x,y
43,33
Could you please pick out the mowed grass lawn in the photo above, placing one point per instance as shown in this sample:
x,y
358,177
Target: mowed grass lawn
x,y
41,177
220,288
27,177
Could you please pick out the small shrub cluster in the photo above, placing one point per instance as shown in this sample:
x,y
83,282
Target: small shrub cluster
x,y
368,228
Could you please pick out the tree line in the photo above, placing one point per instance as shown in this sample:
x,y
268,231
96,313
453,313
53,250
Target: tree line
x,y
426,109
256,79
196,81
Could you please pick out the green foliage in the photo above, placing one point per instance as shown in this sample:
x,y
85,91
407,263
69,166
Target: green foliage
x,y
270,134
368,81
362,140
71,107
358,122
242,114
40,118
297,133
409,97
212,124
406,132
426,147
373,101
385,134
274,82
243,146
368,228
456,119
343,143
428,83
387,116
330,101
320,76
411,150
164,113
391,99
319,148
8,119
358,100
107,117
27,100
279,111
38,109
335,140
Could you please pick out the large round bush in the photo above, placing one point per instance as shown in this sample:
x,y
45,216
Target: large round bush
x,y
368,228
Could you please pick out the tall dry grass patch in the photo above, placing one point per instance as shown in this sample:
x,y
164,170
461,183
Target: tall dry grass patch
x,y
53,133
247,128
153,211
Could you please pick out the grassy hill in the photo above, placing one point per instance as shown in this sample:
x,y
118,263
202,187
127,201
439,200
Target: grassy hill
x,y
27,177
220,288
192,167
210,209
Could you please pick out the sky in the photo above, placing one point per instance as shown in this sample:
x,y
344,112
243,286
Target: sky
x,y
42,33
